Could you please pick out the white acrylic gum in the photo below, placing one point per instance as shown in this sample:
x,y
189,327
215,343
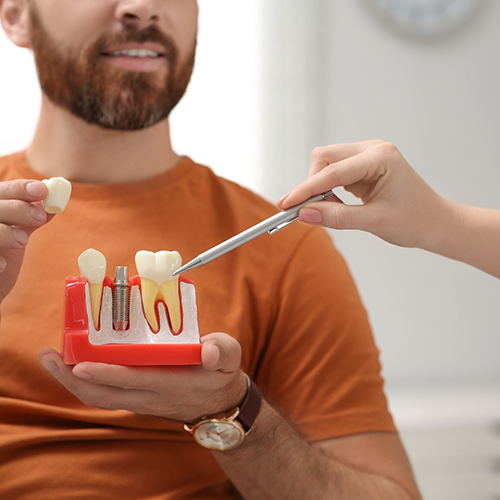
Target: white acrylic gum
x,y
139,331
58,194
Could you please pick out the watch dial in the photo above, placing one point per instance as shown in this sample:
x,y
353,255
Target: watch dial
x,y
217,435
424,18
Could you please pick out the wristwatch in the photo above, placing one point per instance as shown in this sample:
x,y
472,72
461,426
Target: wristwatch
x,y
225,431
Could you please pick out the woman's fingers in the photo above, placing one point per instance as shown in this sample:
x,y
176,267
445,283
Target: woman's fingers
x,y
326,155
338,216
356,173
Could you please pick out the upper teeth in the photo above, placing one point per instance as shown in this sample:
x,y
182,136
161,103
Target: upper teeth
x,y
135,53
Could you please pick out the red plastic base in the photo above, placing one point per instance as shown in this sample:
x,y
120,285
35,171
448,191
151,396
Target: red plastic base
x,y
77,348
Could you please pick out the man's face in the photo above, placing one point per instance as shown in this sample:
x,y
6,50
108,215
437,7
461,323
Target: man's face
x,y
119,64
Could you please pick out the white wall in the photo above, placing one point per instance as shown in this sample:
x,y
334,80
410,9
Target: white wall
x,y
217,122
19,96
335,74
439,102
348,78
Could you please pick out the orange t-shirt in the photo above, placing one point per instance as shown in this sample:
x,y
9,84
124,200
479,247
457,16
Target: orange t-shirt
x,y
288,299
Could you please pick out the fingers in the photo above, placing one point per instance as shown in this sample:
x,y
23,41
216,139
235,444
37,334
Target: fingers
x,y
23,189
337,216
326,155
181,393
15,235
365,166
20,203
220,352
12,237
20,212
53,363
91,393
20,207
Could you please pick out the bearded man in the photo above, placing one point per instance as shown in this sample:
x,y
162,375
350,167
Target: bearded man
x,y
110,72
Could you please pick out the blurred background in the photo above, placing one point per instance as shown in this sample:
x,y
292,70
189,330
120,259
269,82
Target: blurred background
x,y
275,79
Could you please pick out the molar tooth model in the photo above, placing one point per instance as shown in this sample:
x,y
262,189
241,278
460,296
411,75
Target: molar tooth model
x,y
150,319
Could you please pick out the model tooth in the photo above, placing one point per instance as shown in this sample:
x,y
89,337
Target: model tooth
x,y
58,193
157,283
92,264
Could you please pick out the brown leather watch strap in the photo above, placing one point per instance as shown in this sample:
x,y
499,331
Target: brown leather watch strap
x,y
250,406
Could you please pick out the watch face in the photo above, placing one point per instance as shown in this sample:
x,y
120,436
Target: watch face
x,y
424,18
219,435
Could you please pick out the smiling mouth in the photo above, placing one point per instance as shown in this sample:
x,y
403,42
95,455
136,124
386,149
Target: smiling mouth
x,y
135,53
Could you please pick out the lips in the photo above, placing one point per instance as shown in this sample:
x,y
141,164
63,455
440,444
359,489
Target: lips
x,y
133,56
139,53
136,50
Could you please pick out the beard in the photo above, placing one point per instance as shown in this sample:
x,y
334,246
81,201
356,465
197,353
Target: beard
x,y
87,86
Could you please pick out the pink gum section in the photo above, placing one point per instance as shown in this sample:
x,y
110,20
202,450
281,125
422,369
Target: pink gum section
x,y
77,348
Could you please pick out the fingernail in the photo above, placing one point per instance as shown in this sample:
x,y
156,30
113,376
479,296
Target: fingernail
x,y
52,368
20,236
280,200
35,189
82,374
311,215
37,213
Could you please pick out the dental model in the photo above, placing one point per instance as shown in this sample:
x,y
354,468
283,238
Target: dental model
x,y
58,194
149,319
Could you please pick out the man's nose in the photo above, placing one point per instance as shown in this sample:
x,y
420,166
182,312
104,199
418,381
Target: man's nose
x,y
140,13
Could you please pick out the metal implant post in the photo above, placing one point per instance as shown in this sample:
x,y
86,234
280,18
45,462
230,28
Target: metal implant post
x,y
121,299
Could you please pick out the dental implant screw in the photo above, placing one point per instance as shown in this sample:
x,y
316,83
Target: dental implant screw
x,y
121,299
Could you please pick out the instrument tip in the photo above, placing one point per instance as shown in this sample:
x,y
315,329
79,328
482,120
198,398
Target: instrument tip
x,y
193,264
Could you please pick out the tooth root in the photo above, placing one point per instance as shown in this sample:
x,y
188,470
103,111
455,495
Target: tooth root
x,y
95,290
150,290
170,294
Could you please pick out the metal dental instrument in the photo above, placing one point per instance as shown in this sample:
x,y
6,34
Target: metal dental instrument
x,y
271,226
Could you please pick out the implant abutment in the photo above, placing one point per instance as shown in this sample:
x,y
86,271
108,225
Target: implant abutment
x,y
121,299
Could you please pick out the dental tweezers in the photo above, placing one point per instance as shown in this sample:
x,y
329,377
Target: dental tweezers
x,y
271,226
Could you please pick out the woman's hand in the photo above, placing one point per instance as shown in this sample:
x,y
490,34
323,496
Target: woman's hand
x,y
398,206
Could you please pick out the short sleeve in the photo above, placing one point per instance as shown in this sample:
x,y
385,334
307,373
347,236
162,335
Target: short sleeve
x,y
321,364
